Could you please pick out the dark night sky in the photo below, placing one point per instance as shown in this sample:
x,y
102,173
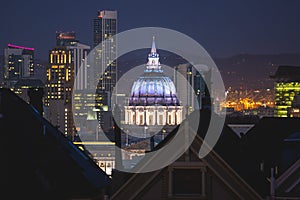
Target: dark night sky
x,y
223,28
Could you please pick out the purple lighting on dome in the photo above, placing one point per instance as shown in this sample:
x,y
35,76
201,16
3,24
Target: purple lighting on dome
x,y
20,47
150,91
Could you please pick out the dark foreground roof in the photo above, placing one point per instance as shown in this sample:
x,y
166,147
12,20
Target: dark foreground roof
x,y
272,142
39,161
265,146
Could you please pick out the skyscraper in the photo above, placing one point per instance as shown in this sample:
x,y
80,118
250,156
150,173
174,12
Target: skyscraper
x,y
66,60
190,82
60,79
18,63
105,27
184,82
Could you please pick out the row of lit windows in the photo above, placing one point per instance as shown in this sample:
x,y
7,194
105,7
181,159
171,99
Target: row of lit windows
x,y
285,93
60,58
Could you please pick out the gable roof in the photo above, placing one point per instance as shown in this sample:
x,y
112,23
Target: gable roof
x,y
259,150
133,184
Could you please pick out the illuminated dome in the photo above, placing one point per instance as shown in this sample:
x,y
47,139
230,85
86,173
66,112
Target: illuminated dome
x,y
153,99
153,88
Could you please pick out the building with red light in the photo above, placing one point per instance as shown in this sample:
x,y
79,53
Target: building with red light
x,y
18,63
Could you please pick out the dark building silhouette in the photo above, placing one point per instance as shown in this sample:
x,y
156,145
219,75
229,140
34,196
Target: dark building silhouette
x,y
272,144
187,178
39,161
32,92
262,163
36,98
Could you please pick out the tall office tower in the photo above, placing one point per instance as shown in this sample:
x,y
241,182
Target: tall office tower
x,y
84,96
189,82
105,27
184,82
60,80
81,67
18,63
287,90
65,38
66,60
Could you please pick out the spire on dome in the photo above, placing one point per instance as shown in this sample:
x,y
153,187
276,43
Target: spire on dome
x,y
153,60
153,49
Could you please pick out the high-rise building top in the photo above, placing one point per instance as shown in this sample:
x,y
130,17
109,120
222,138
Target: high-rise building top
x,y
105,25
20,47
81,70
107,14
65,38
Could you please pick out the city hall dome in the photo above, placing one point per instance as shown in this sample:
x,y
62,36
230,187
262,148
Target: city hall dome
x,y
153,99
153,88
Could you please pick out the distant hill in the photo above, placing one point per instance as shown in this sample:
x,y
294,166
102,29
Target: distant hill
x,y
244,70
253,71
